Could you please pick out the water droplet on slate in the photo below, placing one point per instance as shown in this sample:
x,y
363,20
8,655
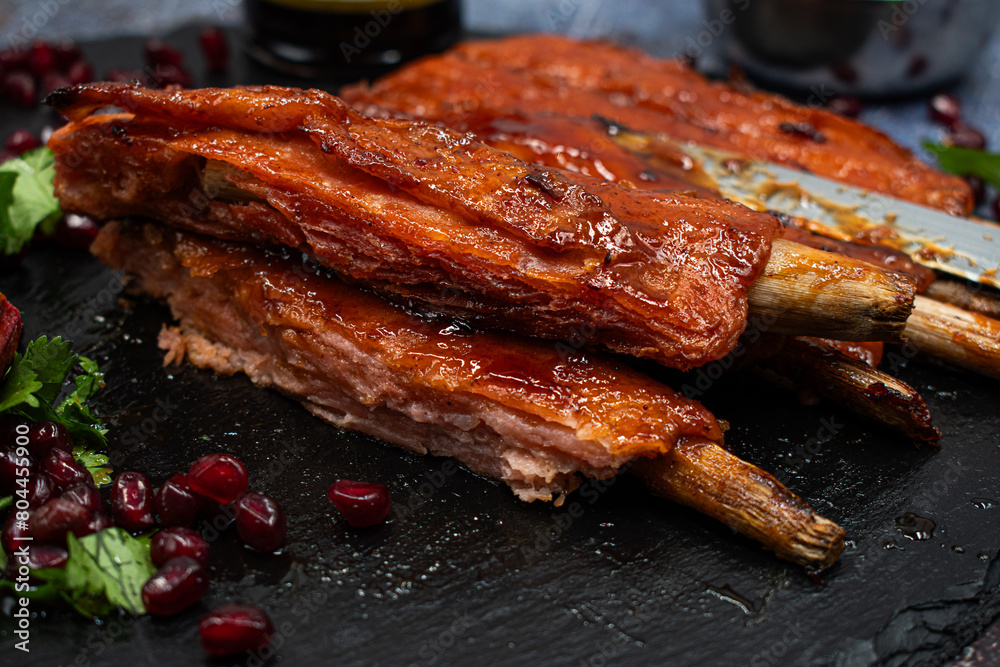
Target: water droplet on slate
x,y
915,527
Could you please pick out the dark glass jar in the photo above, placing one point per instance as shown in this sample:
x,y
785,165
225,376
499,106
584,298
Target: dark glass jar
x,y
348,39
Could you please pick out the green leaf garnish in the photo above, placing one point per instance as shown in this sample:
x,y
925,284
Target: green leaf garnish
x,y
104,571
27,199
967,162
34,382
95,463
5,502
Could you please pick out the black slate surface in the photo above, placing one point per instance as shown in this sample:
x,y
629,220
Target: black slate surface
x,y
464,573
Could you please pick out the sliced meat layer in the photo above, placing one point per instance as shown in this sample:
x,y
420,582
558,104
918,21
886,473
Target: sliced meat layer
x,y
528,412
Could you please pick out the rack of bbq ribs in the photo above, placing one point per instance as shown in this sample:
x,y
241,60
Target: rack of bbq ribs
x,y
445,259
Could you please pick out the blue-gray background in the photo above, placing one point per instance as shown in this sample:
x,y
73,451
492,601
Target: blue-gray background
x,y
663,27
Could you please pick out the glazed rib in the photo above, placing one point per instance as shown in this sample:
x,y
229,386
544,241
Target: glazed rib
x,y
424,214
507,407
547,73
429,216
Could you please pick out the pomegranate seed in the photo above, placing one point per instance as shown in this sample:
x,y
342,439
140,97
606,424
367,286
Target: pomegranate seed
x,y
215,48
965,136
123,76
132,502
14,59
260,522
178,541
21,141
850,107
978,188
361,503
19,88
41,59
169,75
64,470
917,66
845,72
86,496
52,521
177,585
40,490
175,503
42,556
945,109
220,477
75,231
53,81
15,533
45,436
233,629
80,72
157,52
8,429
97,522
10,465
66,53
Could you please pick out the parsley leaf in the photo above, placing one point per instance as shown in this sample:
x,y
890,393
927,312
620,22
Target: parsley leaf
x,y
105,571
34,382
95,463
27,199
967,162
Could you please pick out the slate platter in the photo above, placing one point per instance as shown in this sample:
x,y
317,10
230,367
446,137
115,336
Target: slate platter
x,y
464,573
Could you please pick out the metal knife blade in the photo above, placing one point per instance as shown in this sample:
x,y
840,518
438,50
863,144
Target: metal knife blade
x,y
966,247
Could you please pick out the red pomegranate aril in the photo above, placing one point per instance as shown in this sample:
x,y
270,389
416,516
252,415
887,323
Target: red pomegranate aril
x,y
11,467
260,522
157,52
86,496
177,585
66,53
45,436
14,59
220,477
41,59
361,503
175,503
169,75
965,136
945,109
98,521
64,470
40,490
233,629
43,556
52,521
19,88
16,534
80,72
132,502
850,107
12,426
76,231
21,141
123,76
215,48
53,81
178,541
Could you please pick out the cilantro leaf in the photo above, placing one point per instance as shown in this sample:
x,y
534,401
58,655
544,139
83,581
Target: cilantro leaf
x,y
104,571
95,463
967,162
34,382
27,199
